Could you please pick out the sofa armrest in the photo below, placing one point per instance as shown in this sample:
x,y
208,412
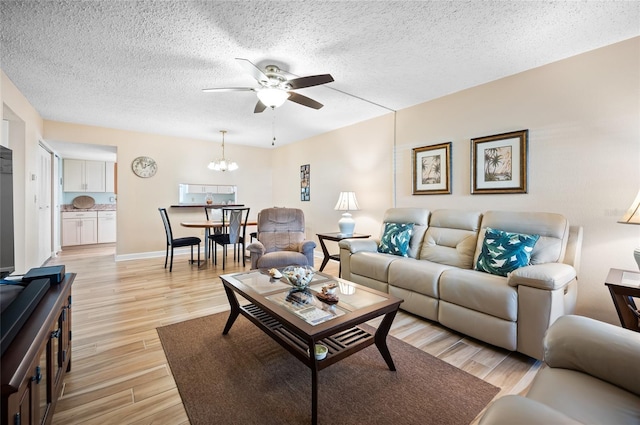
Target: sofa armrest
x,y
307,247
256,247
358,244
599,349
514,409
549,276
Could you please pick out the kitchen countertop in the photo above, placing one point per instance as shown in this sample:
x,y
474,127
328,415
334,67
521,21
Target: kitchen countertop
x,y
96,207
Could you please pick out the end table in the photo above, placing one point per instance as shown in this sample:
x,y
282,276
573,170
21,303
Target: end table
x,y
624,285
335,237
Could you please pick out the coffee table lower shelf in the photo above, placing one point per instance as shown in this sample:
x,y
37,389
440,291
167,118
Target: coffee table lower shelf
x,y
340,345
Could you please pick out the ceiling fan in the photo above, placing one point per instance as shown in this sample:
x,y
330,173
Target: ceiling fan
x,y
275,88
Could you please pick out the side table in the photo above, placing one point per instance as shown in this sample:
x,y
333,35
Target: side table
x,y
335,237
624,285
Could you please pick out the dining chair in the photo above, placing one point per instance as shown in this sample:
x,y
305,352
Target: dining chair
x,y
216,230
234,225
177,242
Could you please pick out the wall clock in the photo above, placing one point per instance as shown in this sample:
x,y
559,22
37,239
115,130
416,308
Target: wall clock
x,y
144,166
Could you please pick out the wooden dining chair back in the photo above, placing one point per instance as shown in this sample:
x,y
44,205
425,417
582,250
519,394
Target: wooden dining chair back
x,y
172,242
234,225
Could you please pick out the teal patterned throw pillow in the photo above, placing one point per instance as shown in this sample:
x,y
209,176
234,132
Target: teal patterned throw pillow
x,y
502,252
395,239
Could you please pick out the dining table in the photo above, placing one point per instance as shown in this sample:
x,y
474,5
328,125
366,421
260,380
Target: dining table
x,y
208,226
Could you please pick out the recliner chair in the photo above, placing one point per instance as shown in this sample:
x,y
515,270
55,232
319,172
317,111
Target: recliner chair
x,y
592,377
281,240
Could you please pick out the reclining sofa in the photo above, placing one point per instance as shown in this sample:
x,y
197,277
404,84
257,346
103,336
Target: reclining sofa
x,y
591,377
438,276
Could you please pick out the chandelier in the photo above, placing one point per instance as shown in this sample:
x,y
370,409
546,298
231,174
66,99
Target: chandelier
x,y
223,164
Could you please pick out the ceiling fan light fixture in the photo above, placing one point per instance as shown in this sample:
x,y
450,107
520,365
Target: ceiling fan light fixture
x,y
222,164
272,97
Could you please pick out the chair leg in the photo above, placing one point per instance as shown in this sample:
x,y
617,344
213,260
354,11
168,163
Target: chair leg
x,y
198,255
171,266
224,255
166,256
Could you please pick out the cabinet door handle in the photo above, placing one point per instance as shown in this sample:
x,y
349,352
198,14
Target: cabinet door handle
x,y
56,333
38,376
16,419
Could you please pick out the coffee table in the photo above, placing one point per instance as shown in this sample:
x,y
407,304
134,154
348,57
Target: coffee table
x,y
297,320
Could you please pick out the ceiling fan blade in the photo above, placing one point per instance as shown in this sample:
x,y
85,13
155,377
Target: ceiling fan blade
x,y
259,107
253,70
224,89
304,100
310,81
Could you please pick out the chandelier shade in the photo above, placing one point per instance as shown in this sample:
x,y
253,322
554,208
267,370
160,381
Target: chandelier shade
x,y
223,164
272,97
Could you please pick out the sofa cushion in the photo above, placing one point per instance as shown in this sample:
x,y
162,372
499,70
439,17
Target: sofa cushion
x,y
417,276
420,219
584,398
372,265
451,238
395,239
502,252
480,291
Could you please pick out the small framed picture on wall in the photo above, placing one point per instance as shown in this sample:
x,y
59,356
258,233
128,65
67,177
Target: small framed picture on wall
x,y
305,182
432,169
499,163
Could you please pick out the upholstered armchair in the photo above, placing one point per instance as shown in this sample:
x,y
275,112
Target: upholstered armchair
x,y
281,240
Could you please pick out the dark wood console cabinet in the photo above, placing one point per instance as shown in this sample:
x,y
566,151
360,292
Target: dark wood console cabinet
x,y
34,365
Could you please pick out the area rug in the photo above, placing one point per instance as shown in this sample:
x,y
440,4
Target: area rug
x,y
247,378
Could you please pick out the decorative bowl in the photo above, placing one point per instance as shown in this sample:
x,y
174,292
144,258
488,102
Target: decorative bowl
x,y
298,276
320,351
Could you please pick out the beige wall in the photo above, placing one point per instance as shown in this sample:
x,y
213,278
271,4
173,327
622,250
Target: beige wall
x,y
140,231
583,116
25,133
583,119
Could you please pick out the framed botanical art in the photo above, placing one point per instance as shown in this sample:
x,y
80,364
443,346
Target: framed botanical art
x,y
499,163
305,183
432,169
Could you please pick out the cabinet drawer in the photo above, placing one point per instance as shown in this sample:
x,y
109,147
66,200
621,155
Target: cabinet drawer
x,y
79,214
106,214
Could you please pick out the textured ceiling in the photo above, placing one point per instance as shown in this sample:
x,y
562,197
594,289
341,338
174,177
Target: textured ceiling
x,y
141,65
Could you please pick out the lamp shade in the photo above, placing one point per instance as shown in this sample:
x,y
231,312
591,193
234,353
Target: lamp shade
x,y
632,216
273,97
347,202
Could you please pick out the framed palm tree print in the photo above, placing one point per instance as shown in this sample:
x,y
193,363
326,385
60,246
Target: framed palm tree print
x,y
432,169
499,163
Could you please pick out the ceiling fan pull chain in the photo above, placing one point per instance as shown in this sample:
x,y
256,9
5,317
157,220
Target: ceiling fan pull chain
x,y
273,127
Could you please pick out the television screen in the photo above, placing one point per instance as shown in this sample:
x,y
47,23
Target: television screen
x,y
7,259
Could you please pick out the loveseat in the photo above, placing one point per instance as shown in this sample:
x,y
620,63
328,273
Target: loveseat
x,y
438,280
591,377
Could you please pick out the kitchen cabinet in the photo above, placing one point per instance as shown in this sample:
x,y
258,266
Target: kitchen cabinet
x,y
79,228
83,176
106,226
110,177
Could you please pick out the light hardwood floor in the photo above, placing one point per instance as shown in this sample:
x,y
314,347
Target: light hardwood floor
x,y
119,373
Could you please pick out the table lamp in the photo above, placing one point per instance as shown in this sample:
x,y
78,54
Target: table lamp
x,y
633,217
347,202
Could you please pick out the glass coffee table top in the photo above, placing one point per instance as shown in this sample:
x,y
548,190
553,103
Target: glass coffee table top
x,y
303,303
